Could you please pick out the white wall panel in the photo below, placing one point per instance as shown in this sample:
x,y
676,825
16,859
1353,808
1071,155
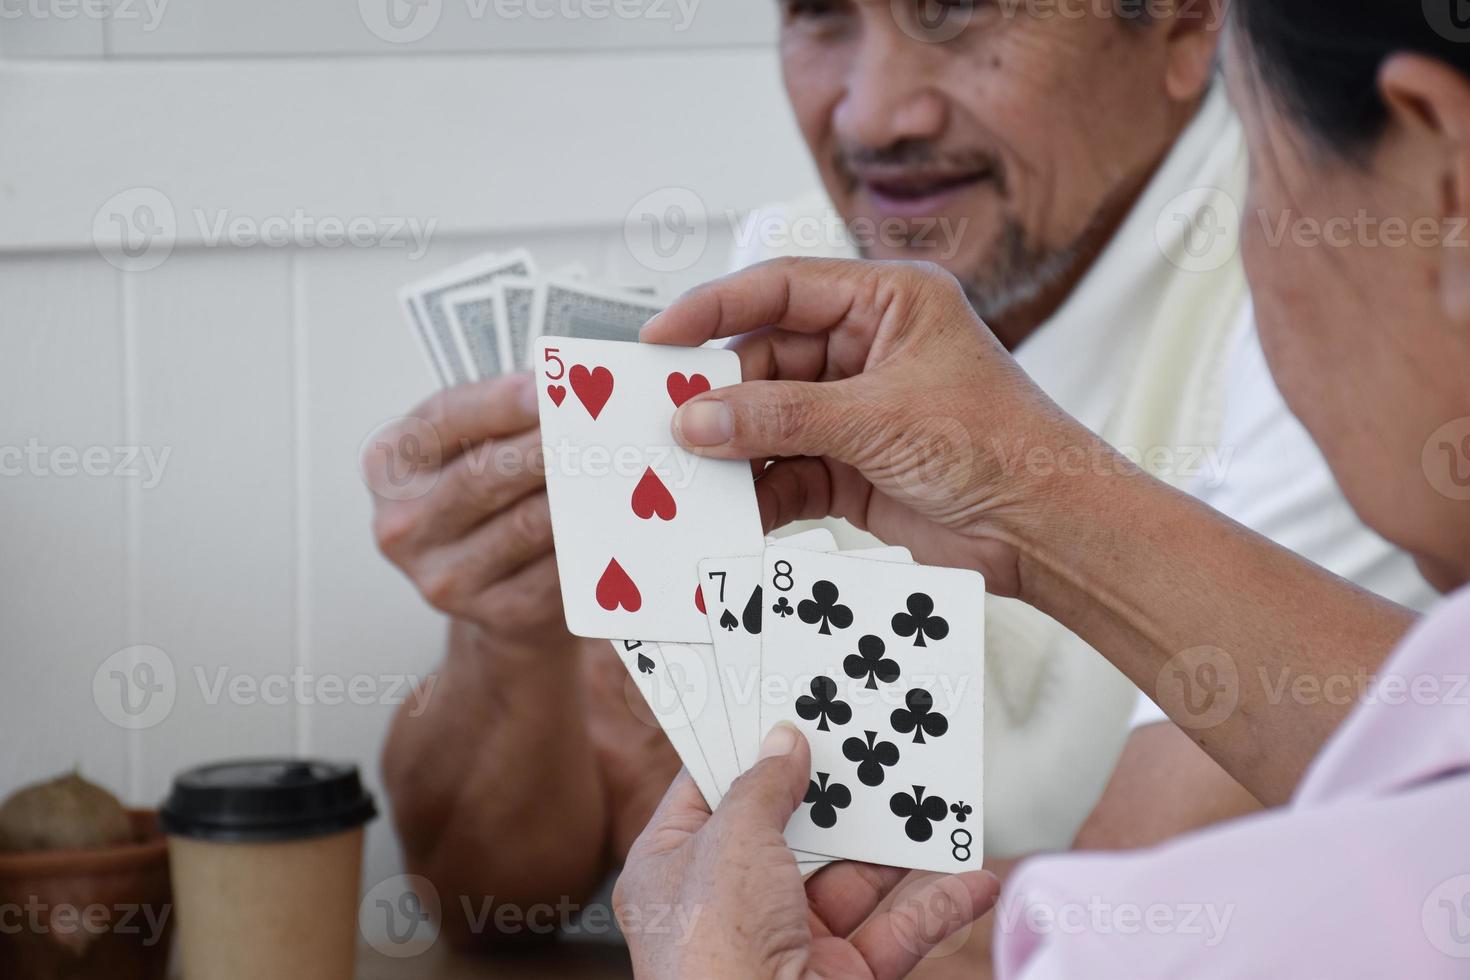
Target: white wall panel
x,y
214,28
504,144
216,544
54,29
64,562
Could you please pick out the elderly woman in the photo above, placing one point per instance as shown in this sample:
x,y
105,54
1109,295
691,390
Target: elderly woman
x,y
1358,119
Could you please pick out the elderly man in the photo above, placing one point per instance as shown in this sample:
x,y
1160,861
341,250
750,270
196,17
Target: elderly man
x,y
1075,167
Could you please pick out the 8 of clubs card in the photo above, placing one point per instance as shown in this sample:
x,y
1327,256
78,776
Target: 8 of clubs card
x,y
632,514
883,670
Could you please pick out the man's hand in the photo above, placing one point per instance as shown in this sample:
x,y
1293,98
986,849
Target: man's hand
x,y
732,881
459,489
908,438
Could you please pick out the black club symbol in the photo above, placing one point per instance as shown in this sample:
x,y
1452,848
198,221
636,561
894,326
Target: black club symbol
x,y
824,608
823,704
920,812
961,810
920,621
871,757
869,660
782,608
826,800
918,716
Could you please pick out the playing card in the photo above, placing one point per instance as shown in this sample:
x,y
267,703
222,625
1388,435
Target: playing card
x,y
659,690
514,300
421,334
567,308
703,691
632,514
881,665
427,296
474,320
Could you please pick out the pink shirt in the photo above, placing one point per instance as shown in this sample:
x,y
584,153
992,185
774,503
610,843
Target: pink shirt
x,y
1365,874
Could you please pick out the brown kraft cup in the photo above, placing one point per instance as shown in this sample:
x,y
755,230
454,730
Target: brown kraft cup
x,y
266,859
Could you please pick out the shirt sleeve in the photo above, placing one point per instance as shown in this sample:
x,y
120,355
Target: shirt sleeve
x,y
1299,890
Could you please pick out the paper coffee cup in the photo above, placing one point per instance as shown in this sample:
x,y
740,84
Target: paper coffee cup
x,y
266,861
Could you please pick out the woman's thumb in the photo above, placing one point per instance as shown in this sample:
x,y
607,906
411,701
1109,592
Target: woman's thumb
x,y
771,790
758,419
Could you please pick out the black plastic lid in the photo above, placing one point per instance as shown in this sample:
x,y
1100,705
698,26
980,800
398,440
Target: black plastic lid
x,y
258,800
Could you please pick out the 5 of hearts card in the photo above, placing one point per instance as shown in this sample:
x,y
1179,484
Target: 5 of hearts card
x,y
632,513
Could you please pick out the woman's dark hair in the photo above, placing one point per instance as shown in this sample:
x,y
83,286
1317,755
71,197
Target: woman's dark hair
x,y
1320,58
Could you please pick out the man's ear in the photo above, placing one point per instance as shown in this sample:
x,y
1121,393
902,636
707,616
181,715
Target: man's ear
x,y
1194,35
1429,103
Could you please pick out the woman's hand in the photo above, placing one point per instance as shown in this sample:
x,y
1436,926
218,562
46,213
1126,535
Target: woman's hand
x,y
925,429
720,896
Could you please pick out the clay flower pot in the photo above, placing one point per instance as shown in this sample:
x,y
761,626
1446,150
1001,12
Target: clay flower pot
x,y
104,912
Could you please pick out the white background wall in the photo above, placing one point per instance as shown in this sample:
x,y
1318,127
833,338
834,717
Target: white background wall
x,y
261,370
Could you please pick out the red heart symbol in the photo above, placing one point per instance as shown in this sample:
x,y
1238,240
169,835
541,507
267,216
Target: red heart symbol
x,y
699,597
593,387
681,389
557,393
651,497
616,589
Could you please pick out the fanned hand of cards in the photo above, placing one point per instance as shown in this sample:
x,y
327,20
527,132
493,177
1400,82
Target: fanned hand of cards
x,y
478,319
879,661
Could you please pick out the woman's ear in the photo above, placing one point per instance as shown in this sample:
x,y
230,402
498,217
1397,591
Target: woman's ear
x,y
1429,102
1194,35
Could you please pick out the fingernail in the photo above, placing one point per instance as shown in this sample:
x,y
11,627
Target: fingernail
x,y
779,741
706,422
527,395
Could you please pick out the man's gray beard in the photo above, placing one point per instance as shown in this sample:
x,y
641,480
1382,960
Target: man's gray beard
x,y
1019,275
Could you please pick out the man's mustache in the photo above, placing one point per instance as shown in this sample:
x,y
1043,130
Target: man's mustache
x,y
919,155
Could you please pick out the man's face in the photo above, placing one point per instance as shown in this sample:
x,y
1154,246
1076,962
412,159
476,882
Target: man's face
x,y
999,138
